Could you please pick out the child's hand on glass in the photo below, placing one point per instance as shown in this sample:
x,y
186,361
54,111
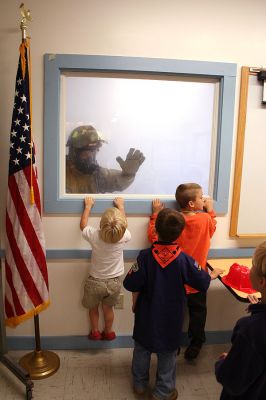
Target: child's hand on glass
x,y
119,202
88,202
157,206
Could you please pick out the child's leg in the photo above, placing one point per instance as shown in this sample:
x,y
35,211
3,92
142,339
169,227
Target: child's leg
x,y
93,292
108,314
140,368
94,319
113,286
166,376
197,318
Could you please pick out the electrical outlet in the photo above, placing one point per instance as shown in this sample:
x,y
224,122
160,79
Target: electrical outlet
x,y
120,304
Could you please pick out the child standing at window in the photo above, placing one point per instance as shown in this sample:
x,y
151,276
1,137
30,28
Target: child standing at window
x,y
158,277
195,241
107,265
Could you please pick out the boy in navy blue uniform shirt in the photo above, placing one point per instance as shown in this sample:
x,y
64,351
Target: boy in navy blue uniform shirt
x,y
158,277
242,372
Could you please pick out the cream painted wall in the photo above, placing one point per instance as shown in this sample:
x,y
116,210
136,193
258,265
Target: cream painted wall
x,y
227,31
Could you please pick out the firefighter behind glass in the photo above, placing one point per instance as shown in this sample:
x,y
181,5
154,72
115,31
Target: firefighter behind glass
x,y
84,175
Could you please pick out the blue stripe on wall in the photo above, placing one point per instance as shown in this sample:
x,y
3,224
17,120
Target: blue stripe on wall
x,y
73,254
82,342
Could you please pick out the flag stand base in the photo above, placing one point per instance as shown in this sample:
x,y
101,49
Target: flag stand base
x,y
40,364
20,373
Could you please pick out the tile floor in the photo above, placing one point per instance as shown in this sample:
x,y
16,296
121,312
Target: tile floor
x,y
105,374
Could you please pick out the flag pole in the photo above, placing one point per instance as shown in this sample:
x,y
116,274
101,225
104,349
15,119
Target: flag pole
x,y
39,364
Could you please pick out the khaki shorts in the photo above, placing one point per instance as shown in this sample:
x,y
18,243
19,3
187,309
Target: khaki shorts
x,y
98,291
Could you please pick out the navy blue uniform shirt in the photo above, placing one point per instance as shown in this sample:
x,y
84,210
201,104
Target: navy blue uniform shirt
x,y
159,276
243,372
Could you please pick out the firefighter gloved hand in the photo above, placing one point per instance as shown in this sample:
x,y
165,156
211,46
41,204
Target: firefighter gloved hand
x,y
133,161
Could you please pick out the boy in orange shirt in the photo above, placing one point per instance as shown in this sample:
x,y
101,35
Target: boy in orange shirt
x,y
195,241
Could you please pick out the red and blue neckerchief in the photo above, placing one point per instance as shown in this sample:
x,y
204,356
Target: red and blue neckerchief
x,y
164,254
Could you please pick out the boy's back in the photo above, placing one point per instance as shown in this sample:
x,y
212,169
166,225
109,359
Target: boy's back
x,y
200,221
200,225
249,353
195,238
159,308
106,258
242,371
157,281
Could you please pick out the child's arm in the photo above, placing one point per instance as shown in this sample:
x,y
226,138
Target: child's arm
x,y
135,296
119,203
241,367
88,204
157,206
196,277
135,280
208,205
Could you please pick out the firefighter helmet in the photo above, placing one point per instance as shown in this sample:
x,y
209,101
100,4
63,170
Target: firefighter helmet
x,y
84,137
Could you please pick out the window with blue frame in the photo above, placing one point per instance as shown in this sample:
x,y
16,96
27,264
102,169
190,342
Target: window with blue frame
x,y
177,114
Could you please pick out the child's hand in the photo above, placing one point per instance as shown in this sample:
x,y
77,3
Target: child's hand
x,y
252,299
208,204
216,272
135,296
119,202
88,202
157,206
222,356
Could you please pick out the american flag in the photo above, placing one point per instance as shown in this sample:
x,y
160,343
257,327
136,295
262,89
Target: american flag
x,y
26,287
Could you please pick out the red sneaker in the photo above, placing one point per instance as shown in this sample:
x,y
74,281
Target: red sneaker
x,y
94,335
108,336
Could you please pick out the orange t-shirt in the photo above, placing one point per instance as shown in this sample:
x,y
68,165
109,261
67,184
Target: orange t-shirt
x,y
195,239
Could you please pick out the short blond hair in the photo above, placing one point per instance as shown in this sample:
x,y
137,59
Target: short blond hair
x,y
113,225
259,260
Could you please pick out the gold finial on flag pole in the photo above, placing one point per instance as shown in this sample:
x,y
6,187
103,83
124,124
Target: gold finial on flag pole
x,y
25,17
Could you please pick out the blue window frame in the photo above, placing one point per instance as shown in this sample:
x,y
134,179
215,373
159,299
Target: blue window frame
x,y
59,64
